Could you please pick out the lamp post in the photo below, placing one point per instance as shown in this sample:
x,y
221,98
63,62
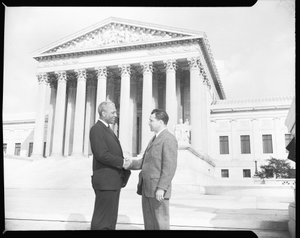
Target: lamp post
x,y
255,167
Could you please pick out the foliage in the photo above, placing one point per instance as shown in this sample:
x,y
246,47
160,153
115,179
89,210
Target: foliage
x,y
279,168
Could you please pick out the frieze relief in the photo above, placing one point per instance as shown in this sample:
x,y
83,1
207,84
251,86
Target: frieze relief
x,y
113,34
59,61
173,49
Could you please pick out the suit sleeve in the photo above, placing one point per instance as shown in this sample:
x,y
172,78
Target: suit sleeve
x,y
100,149
169,162
136,164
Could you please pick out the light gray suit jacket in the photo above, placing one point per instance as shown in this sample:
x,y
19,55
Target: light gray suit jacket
x,y
158,164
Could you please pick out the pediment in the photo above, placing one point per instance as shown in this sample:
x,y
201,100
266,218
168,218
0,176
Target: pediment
x,y
116,32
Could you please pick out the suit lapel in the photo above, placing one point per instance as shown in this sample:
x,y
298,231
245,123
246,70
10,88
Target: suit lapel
x,y
110,132
157,139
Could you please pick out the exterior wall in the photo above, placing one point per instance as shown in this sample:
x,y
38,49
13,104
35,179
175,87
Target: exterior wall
x,y
19,133
255,124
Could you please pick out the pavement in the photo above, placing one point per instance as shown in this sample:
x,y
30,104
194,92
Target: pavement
x,y
53,207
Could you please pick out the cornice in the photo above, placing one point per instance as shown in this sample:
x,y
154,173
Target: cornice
x,y
119,48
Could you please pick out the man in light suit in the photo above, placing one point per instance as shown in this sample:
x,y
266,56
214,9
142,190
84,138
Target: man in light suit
x,y
108,174
158,167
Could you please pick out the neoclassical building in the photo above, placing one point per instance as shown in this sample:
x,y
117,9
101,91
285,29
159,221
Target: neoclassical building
x,y
137,66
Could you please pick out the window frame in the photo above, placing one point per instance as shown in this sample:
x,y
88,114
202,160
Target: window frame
x,y
224,145
245,144
267,141
226,174
245,171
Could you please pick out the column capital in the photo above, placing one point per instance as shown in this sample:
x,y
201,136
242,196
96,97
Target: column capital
x,y
170,64
147,67
43,77
194,63
101,71
125,69
61,76
81,74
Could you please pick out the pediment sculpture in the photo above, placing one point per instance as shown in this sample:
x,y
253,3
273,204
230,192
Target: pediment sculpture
x,y
114,34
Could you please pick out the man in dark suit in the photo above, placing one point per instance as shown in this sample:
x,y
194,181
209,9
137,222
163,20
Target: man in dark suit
x,y
158,166
108,174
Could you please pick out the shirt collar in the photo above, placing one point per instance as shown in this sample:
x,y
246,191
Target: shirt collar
x,y
105,123
160,131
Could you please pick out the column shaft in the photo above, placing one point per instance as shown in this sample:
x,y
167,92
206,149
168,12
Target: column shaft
x,y
101,88
89,116
38,142
59,118
125,126
70,119
171,105
49,141
147,104
198,107
79,113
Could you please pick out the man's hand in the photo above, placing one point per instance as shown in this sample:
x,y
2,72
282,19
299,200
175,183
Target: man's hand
x,y
159,194
127,163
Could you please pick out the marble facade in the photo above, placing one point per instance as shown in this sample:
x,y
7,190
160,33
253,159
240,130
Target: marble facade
x,y
139,67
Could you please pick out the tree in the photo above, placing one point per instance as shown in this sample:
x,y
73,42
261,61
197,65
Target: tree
x,y
279,168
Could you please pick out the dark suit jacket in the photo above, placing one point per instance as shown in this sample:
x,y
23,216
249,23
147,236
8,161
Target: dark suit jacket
x,y
158,164
108,172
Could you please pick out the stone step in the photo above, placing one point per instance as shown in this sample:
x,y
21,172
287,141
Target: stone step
x,y
42,225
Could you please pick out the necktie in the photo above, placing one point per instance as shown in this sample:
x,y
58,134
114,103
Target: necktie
x,y
110,130
153,139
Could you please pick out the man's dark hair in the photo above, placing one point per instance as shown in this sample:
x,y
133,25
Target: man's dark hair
x,y
161,114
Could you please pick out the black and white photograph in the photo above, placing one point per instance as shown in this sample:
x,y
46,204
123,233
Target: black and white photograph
x,y
150,118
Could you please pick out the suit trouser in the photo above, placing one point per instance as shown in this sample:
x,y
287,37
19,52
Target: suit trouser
x,y
105,210
155,213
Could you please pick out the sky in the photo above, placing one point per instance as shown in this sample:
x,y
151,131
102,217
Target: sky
x,y
253,47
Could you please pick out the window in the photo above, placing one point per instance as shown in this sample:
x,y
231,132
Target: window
x,y
17,148
246,173
267,144
224,173
245,144
288,138
4,148
224,148
30,149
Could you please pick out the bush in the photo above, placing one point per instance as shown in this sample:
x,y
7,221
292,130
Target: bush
x,y
278,167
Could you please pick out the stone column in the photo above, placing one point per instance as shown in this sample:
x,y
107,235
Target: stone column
x,y
147,103
197,106
38,140
171,105
178,96
49,140
101,87
125,126
79,113
59,119
89,115
155,90
70,117
133,96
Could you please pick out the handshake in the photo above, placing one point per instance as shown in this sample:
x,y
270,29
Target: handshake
x,y
127,163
